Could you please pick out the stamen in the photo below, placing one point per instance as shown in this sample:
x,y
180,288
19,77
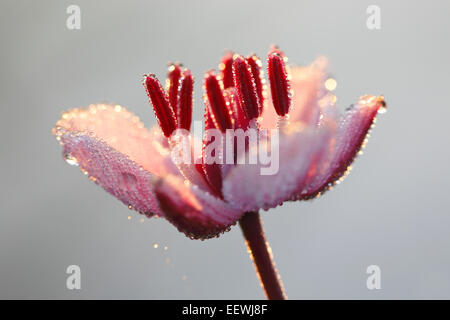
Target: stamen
x,y
226,69
218,107
258,76
279,83
158,99
184,104
246,88
173,83
240,119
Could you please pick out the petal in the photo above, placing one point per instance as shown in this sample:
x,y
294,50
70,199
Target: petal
x,y
249,188
308,88
123,131
350,137
112,170
269,117
193,211
112,146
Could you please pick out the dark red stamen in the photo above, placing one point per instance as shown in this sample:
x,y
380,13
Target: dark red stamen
x,y
256,67
211,172
158,99
184,104
246,88
279,83
216,101
240,119
173,83
226,69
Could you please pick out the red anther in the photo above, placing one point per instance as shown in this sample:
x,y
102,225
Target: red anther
x,y
279,83
240,120
246,88
211,172
184,104
209,123
219,111
173,83
158,99
226,69
256,66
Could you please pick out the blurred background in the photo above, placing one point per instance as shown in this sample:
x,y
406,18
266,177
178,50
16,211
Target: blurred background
x,y
392,211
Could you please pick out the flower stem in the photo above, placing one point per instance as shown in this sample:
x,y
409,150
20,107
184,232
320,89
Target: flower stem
x,y
261,255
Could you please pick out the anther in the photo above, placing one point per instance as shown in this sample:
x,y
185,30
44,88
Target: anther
x,y
246,88
226,70
258,76
279,83
184,101
216,101
161,107
172,84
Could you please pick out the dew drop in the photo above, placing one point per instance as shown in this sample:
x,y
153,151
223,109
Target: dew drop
x,y
382,110
128,178
330,84
70,159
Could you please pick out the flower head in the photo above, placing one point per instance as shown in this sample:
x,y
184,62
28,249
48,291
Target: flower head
x,y
202,198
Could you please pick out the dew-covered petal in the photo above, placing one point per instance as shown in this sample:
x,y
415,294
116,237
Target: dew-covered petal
x,y
350,137
112,170
308,88
193,211
249,187
122,131
269,117
114,149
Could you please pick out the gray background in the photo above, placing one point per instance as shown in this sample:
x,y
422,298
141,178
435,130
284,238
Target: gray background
x,y
392,211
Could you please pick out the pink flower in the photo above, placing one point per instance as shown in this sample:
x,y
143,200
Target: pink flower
x,y
316,146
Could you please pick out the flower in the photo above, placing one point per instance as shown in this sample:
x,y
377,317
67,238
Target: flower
x,y
316,145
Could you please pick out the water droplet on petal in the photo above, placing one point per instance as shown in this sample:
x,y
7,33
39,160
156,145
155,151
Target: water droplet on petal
x,y
330,84
382,110
128,178
70,159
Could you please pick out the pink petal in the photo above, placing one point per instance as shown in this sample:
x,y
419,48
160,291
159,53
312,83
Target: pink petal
x,y
193,211
113,148
123,131
247,188
308,88
112,170
269,117
350,138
